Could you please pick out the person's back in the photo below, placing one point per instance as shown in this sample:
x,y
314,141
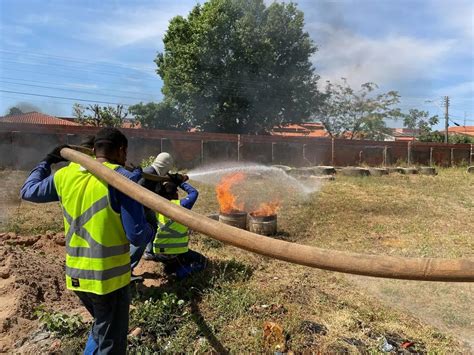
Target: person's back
x,y
94,232
100,222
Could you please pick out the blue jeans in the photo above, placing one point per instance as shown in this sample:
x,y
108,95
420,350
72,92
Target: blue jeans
x,y
136,253
110,328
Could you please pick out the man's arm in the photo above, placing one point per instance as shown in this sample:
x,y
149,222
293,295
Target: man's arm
x,y
138,230
192,195
39,186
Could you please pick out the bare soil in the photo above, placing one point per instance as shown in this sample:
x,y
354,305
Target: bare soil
x,y
31,274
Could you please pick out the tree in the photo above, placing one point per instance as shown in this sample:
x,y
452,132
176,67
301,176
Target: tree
x,y
419,120
239,66
347,113
438,137
14,111
100,116
161,115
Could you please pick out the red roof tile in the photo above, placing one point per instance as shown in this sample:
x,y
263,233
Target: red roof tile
x,y
466,130
310,129
37,118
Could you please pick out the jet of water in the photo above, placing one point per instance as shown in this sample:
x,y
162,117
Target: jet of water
x,y
212,174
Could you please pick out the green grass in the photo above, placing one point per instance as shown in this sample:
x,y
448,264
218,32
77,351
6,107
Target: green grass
x,y
225,307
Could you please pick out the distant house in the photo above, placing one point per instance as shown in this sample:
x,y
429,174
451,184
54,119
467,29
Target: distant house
x,y
36,118
402,134
310,129
464,130
128,123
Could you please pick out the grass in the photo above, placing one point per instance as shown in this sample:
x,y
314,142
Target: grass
x,y
226,307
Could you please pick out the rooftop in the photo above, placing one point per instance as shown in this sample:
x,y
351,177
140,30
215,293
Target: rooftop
x,y
37,118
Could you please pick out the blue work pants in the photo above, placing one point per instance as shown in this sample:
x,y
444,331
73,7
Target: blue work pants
x,y
110,328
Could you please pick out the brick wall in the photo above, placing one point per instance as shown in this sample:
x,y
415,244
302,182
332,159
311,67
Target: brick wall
x,y
23,145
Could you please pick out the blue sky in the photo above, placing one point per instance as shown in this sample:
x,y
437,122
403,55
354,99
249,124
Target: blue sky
x,y
60,52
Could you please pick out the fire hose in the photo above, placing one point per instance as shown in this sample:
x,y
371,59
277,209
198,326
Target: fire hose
x,y
427,269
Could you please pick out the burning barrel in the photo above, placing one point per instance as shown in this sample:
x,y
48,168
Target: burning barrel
x,y
264,225
235,218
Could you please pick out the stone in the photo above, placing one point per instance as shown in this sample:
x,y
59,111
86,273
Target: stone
x,y
354,171
470,170
55,345
136,332
378,171
409,171
427,170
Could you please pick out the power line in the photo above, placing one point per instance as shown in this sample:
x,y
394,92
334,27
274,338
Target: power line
x,y
76,60
50,83
71,90
64,98
77,68
44,73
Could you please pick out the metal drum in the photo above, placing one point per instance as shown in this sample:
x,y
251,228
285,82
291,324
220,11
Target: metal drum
x,y
236,219
264,225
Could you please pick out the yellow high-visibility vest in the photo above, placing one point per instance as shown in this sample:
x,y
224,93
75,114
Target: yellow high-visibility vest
x,y
97,249
171,237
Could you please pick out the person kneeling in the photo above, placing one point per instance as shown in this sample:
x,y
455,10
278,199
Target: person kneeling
x,y
171,243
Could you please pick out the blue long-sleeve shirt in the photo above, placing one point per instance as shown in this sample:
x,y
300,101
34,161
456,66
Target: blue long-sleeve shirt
x,y
191,197
39,187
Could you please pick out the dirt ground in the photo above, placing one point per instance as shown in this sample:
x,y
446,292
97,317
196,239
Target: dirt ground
x,y
31,273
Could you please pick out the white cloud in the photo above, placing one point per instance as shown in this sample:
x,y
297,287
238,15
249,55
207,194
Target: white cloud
x,y
385,60
128,26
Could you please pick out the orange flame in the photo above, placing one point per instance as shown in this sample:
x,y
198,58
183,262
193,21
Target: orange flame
x,y
266,209
227,200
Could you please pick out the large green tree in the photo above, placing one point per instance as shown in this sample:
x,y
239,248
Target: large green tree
x,y
349,113
239,66
163,115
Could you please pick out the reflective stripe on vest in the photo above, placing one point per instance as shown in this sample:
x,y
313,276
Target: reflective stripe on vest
x,y
97,250
171,237
97,274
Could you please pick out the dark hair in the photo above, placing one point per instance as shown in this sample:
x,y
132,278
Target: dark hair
x,y
88,142
168,190
110,139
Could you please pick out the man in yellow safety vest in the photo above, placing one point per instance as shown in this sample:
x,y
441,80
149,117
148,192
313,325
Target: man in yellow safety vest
x,y
171,243
100,223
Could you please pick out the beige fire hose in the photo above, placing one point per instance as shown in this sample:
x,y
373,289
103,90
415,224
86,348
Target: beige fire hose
x,y
428,269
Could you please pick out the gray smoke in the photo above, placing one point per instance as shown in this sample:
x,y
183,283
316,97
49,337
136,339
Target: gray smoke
x,y
24,107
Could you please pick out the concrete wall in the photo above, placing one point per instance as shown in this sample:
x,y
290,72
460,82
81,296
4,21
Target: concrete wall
x,y
23,145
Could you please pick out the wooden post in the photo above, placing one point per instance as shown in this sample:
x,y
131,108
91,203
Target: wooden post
x,y
472,153
161,145
273,152
409,153
451,157
431,156
384,156
333,144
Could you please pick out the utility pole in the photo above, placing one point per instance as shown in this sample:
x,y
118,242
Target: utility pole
x,y
446,117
